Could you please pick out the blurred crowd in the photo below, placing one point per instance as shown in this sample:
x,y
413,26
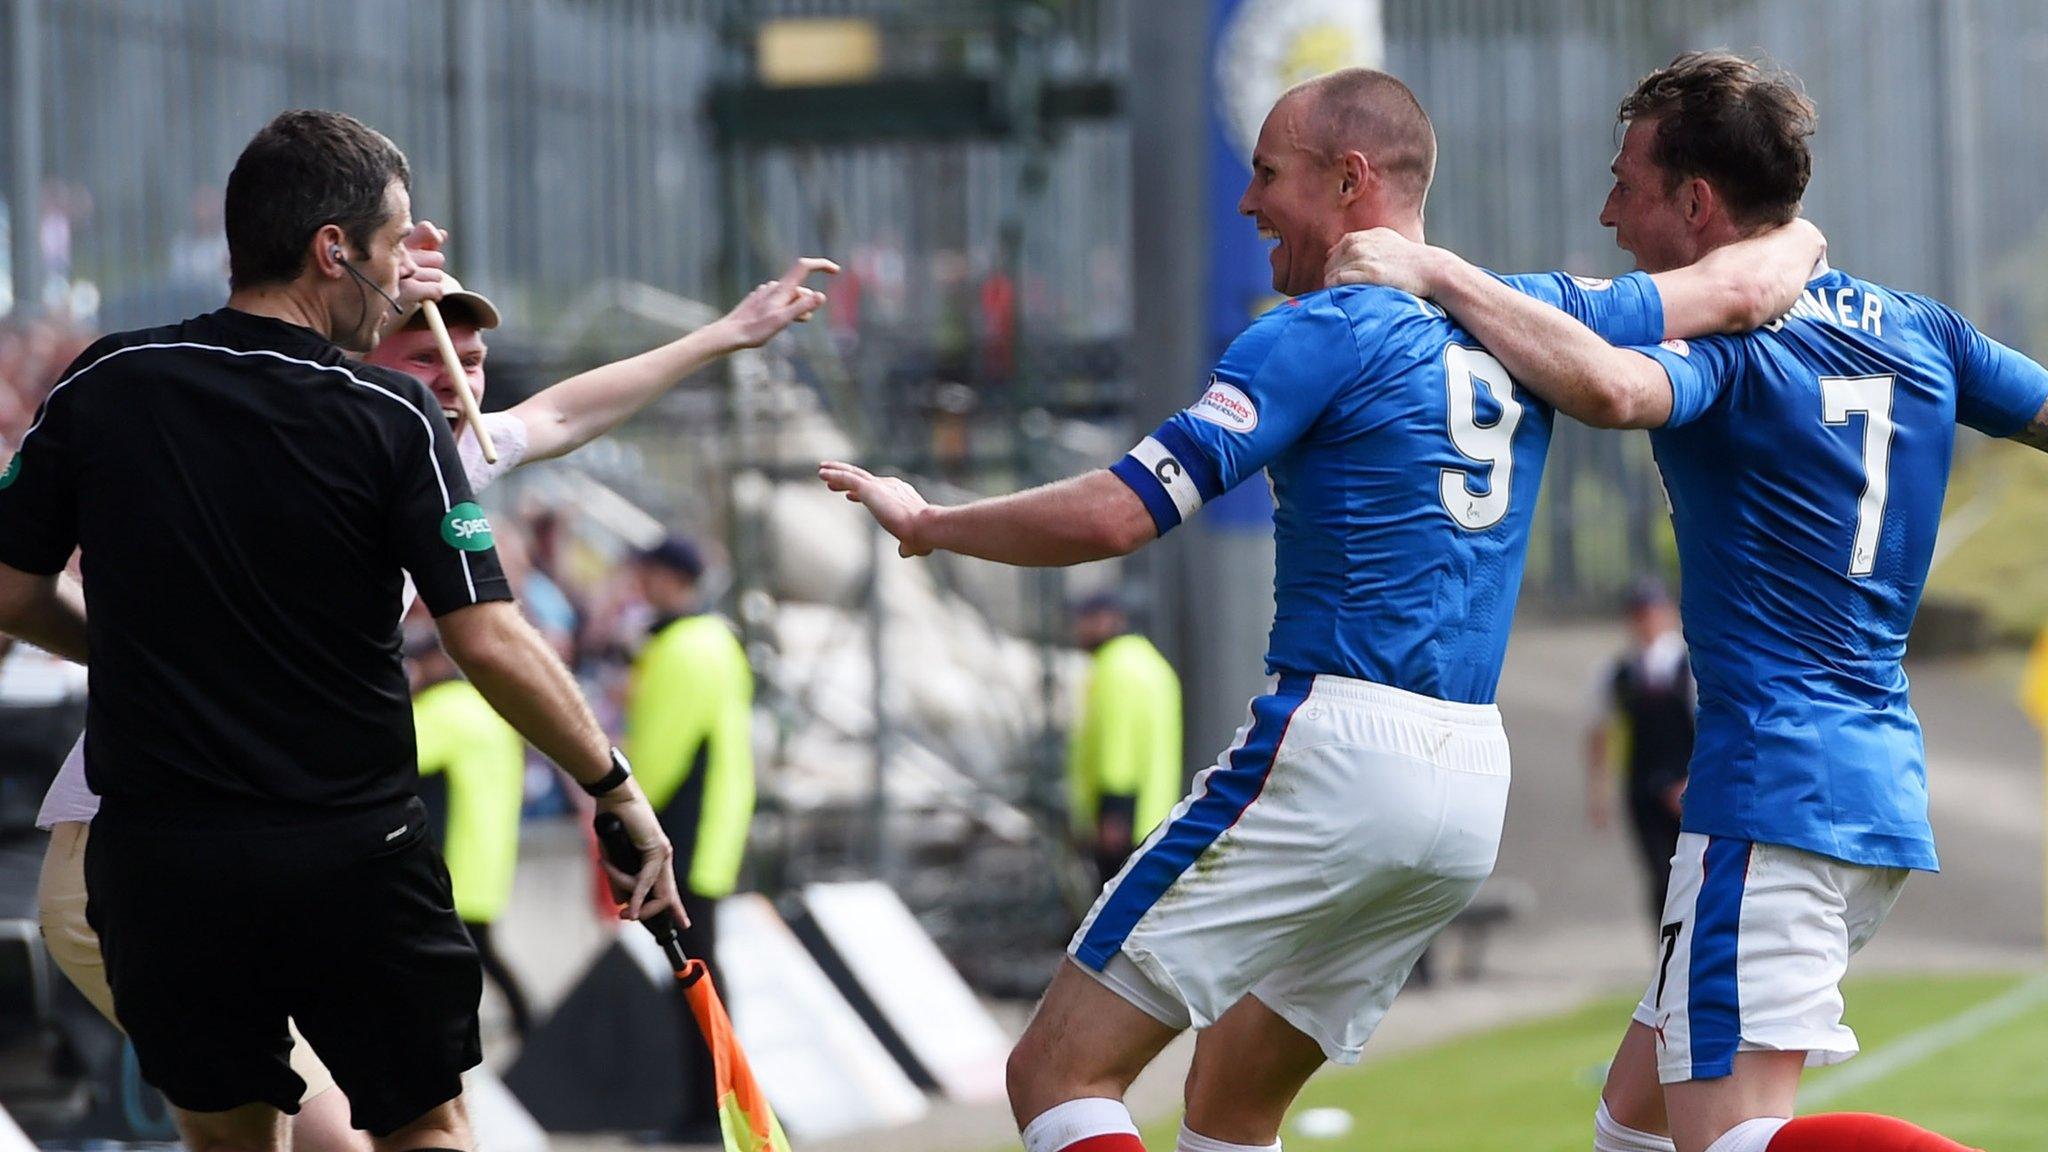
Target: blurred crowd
x,y
33,352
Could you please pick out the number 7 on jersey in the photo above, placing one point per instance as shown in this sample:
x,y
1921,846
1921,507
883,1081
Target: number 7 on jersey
x,y
1840,397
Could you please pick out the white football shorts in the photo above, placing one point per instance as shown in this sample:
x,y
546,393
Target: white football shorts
x,y
1311,865
1756,940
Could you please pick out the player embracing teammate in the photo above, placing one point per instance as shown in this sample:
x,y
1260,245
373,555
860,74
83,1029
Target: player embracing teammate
x,y
1806,464
1281,906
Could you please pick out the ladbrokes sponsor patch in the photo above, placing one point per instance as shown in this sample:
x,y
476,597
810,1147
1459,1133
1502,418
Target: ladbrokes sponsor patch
x,y
1226,405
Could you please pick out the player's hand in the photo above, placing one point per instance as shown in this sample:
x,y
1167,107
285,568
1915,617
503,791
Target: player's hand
x,y
777,304
1796,252
1762,277
1674,798
653,888
424,276
1381,256
895,505
1806,237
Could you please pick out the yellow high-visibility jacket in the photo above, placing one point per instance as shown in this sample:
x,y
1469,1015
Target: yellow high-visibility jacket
x,y
485,761
2034,683
689,734
1127,739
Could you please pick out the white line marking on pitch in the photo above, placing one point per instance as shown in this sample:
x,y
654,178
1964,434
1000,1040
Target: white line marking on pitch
x,y
1915,1047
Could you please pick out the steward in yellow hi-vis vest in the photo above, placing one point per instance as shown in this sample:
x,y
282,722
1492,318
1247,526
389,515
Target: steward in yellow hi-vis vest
x,y
1123,754
473,778
689,731
689,734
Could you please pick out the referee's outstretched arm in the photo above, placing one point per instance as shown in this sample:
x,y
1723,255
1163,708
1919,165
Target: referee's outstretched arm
x,y
517,671
47,610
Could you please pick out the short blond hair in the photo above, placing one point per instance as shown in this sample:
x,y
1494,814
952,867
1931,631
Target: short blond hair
x,y
1371,112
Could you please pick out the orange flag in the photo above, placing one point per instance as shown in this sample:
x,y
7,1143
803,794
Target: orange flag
x,y
748,1123
744,1117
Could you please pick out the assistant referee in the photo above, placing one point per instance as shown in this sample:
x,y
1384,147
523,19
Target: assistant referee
x,y
248,502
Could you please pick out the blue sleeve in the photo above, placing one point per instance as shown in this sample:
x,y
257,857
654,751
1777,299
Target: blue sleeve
x,y
1273,382
1700,371
1625,310
1998,391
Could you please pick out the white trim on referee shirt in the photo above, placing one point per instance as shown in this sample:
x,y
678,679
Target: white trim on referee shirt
x,y
469,578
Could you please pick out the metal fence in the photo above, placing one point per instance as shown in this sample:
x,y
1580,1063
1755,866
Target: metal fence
x,y
566,141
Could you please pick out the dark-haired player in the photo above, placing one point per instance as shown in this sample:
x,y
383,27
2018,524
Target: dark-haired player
x,y
1806,464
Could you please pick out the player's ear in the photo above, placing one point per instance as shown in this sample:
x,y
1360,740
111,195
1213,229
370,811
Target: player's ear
x,y
1699,202
1354,173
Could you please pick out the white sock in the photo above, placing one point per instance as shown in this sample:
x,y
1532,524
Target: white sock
x,y
1075,1121
1611,1135
1750,1135
1193,1141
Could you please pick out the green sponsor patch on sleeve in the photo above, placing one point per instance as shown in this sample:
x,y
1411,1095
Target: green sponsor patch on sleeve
x,y
467,528
13,471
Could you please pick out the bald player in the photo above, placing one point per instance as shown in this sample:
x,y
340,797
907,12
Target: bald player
x,y
1284,902
552,423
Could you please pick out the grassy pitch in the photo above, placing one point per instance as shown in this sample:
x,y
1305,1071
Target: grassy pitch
x,y
1967,1058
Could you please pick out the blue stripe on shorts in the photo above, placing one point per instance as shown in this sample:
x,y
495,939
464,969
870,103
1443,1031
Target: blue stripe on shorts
x,y
1226,795
1713,1002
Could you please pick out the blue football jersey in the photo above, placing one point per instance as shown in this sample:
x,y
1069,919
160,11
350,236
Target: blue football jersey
x,y
1404,464
1806,465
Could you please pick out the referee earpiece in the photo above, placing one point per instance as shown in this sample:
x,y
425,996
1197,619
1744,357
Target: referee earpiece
x,y
334,250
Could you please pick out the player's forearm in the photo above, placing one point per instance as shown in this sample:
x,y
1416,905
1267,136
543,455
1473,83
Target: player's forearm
x,y
1089,517
1550,353
572,413
1741,286
517,672
46,611
2035,434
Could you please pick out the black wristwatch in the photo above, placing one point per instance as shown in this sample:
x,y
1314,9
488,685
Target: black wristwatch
x,y
610,781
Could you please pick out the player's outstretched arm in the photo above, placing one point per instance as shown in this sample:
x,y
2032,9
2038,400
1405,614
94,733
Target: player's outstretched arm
x,y
566,416
46,611
1742,286
517,671
1093,516
1543,348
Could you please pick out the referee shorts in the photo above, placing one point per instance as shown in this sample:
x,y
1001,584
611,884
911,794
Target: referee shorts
x,y
215,938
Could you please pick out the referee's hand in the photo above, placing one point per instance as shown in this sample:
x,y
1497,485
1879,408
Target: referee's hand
x,y
653,888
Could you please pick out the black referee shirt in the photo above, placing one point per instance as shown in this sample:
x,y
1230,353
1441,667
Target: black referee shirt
x,y
247,500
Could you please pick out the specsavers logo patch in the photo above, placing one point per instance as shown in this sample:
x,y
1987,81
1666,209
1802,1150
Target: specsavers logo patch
x,y
1226,405
467,528
13,471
